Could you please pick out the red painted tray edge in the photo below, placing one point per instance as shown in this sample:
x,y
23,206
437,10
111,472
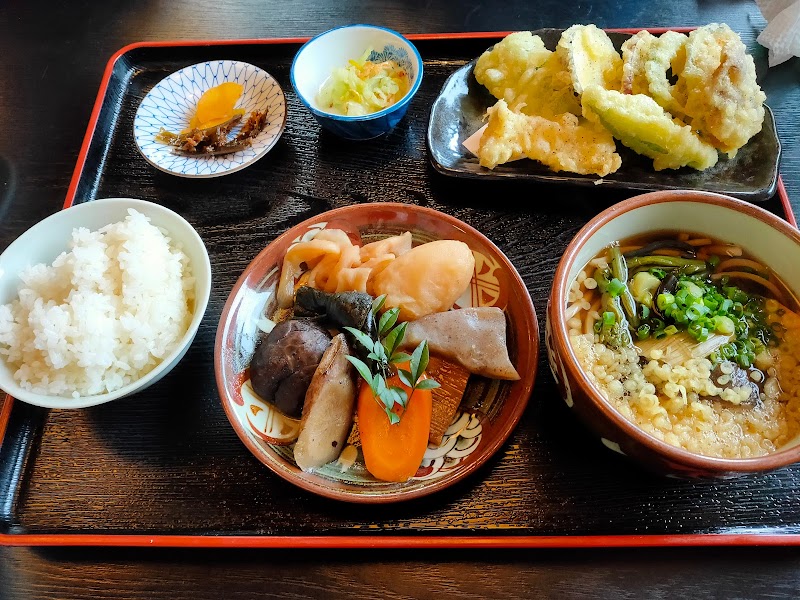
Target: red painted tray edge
x,y
394,541
402,541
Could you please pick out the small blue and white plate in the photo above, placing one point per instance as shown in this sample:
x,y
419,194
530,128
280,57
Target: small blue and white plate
x,y
171,104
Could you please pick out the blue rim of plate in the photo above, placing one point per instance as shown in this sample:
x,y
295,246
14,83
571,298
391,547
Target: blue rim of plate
x,y
171,102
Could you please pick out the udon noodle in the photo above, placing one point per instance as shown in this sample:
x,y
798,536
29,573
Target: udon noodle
x,y
692,340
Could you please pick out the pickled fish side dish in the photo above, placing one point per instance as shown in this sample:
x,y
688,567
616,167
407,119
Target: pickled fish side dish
x,y
210,129
692,340
678,99
367,353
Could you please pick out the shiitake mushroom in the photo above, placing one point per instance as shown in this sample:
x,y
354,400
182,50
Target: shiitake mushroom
x,y
284,363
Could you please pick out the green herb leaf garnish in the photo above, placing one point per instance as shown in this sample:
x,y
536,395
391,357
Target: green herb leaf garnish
x,y
384,353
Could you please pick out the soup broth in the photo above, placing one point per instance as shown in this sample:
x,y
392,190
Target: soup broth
x,y
692,340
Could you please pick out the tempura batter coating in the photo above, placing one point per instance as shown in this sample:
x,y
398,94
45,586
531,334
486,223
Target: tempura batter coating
x,y
634,55
549,91
668,51
563,144
724,100
642,125
529,77
590,57
510,64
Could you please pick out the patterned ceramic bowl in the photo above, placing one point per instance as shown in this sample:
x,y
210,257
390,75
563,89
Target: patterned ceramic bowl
x,y
761,233
490,408
317,58
172,102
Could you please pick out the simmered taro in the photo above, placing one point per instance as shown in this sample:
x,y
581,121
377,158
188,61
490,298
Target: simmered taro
x,y
692,340
284,363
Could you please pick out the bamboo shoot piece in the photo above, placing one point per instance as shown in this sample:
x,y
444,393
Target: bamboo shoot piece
x,y
447,397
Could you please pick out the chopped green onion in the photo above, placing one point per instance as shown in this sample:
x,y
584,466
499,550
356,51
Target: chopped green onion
x,y
724,325
664,300
696,311
615,287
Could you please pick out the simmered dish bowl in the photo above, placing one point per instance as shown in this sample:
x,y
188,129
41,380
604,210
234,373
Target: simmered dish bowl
x,y
292,369
673,331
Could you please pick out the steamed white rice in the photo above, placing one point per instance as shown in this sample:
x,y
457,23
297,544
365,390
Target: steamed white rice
x,y
103,315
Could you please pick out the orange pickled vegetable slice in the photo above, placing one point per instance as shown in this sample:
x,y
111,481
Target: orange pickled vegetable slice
x,y
394,452
216,105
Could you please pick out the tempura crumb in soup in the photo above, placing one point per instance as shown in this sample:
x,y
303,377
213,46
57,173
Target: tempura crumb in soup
x,y
103,315
692,340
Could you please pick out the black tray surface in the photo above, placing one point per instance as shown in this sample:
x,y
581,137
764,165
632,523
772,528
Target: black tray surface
x,y
167,461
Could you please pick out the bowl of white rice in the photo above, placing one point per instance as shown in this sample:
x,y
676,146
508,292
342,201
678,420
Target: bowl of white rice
x,y
99,301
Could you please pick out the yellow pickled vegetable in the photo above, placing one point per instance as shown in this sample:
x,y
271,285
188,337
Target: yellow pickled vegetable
x,y
216,106
363,87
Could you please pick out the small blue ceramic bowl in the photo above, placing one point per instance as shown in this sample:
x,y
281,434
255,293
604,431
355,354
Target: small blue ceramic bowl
x,y
318,57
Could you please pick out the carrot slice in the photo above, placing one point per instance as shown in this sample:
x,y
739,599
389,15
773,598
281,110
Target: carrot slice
x,y
394,452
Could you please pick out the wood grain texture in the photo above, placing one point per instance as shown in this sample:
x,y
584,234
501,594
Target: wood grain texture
x,y
503,575
52,56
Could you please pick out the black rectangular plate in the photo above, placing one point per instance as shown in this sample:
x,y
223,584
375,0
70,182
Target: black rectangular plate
x,y
459,111
166,462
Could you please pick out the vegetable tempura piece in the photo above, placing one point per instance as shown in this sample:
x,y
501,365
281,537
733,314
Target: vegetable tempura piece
x,y
724,99
548,93
563,144
643,126
473,337
590,57
634,55
509,65
667,52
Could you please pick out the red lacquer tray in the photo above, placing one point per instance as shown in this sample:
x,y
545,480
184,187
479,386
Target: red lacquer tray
x,y
165,468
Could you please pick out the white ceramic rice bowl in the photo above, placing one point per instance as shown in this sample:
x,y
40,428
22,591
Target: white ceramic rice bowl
x,y
43,242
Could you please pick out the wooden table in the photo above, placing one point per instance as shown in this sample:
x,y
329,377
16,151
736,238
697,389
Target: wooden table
x,y
52,56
